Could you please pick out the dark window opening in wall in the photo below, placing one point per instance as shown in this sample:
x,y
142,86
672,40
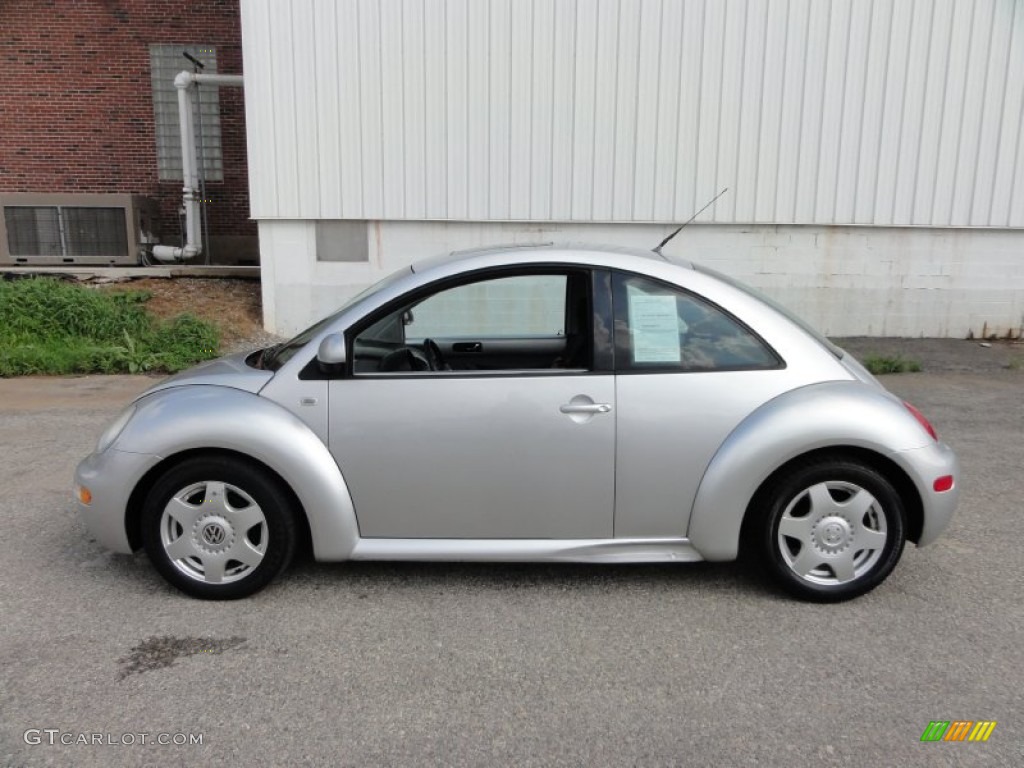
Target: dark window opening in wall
x,y
344,240
65,231
166,62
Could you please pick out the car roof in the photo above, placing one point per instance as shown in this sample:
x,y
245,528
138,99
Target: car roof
x,y
573,253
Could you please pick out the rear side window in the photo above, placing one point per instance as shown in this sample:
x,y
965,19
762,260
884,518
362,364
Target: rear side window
x,y
661,328
782,310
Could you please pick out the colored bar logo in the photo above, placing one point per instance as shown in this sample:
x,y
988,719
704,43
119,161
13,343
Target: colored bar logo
x,y
958,730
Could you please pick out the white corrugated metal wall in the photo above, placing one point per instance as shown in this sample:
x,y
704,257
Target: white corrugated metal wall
x,y
883,112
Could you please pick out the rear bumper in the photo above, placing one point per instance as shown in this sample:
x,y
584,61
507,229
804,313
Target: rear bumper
x,y
925,465
110,477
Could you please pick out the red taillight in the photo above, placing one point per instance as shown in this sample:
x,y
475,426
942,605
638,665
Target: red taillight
x,y
943,484
922,421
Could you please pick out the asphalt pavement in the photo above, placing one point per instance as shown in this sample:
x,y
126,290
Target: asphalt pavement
x,y
480,665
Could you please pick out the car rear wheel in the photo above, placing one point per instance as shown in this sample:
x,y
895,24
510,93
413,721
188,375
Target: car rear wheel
x,y
217,528
834,529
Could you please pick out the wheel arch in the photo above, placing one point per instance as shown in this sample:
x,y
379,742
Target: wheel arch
x,y
893,472
137,498
175,424
851,418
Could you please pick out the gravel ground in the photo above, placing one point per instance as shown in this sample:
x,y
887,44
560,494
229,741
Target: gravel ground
x,y
454,664
942,355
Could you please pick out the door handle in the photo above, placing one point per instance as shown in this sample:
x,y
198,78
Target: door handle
x,y
585,408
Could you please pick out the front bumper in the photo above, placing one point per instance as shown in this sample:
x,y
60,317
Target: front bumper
x,y
110,477
924,466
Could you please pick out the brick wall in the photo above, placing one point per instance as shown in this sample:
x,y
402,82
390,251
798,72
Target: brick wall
x,y
76,110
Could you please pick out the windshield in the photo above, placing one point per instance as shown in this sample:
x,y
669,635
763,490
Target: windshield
x,y
281,354
788,314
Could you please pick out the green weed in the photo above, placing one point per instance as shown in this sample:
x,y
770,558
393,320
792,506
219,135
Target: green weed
x,y
52,327
881,364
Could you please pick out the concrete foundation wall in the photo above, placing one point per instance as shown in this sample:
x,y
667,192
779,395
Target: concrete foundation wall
x,y
847,281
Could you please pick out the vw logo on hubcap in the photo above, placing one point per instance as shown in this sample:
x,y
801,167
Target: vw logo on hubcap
x,y
833,533
213,534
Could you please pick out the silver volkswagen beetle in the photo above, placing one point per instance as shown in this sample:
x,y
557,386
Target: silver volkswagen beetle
x,y
542,403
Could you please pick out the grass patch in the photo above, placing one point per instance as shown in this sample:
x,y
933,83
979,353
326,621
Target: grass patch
x,y
53,327
881,364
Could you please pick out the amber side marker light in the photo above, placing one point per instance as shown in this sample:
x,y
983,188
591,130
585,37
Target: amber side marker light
x,y
922,421
943,484
84,495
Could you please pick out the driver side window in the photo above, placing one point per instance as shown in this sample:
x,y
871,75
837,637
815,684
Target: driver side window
x,y
532,322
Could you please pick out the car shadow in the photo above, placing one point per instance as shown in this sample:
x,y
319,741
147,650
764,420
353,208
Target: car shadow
x,y
380,577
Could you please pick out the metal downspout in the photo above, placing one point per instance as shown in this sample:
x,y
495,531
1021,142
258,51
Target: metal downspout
x,y
189,164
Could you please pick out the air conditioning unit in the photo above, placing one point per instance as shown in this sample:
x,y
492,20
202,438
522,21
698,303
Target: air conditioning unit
x,y
75,229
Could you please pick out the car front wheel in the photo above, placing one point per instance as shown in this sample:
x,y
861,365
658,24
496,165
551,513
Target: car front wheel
x,y
217,528
834,529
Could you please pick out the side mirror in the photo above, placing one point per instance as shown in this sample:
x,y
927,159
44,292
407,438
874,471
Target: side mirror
x,y
331,353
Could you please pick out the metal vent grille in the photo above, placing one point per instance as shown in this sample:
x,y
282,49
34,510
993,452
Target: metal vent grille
x,y
94,232
65,231
33,231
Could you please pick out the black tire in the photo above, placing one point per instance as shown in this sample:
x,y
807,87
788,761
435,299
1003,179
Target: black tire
x,y
819,503
230,507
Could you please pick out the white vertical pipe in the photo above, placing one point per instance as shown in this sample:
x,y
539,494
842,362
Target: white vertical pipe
x,y
193,245
190,180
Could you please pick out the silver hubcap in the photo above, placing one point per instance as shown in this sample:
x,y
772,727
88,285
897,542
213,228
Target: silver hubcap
x,y
214,532
832,533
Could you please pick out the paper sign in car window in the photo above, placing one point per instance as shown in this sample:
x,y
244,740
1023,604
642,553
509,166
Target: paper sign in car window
x,y
655,327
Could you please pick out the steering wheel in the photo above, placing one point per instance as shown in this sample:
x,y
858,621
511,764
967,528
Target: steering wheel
x,y
434,356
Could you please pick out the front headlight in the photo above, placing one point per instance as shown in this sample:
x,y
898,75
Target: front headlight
x,y
110,433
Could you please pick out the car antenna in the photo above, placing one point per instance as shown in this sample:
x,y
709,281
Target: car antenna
x,y
711,202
